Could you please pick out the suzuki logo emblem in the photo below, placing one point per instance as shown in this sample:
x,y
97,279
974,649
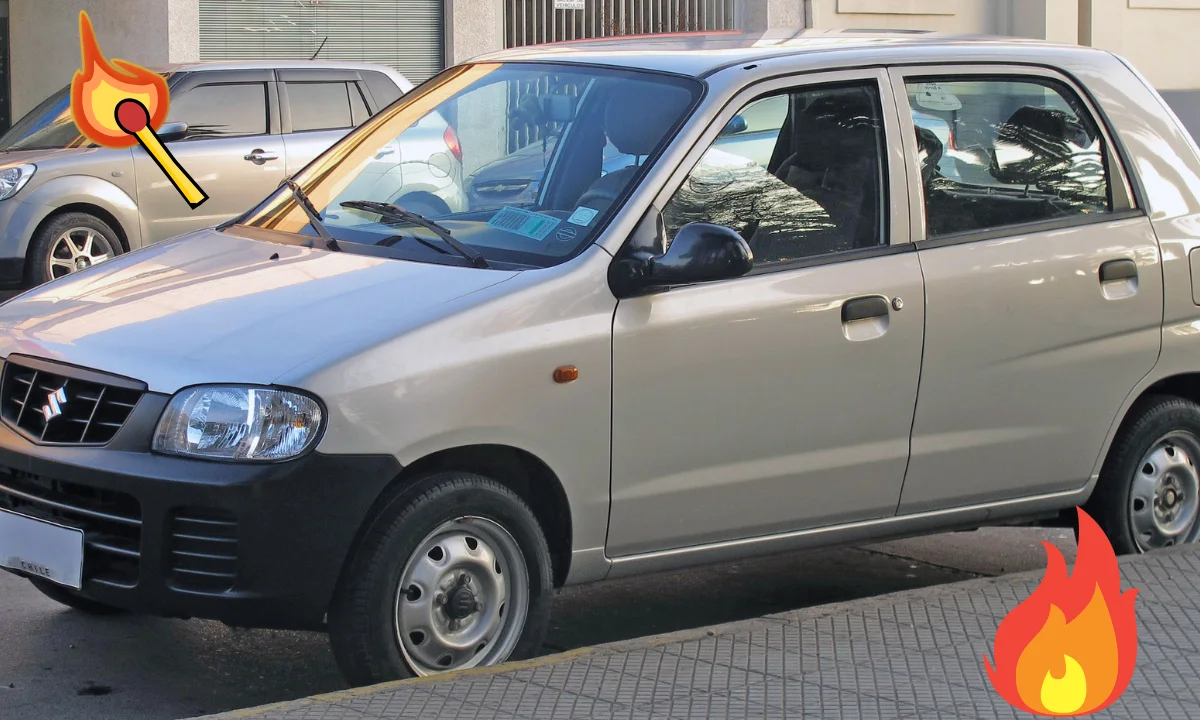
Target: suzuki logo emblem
x,y
53,408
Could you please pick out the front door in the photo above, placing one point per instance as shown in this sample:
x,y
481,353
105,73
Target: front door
x,y
1043,286
233,150
781,400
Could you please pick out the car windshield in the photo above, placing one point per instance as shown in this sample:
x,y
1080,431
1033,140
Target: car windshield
x,y
521,162
48,126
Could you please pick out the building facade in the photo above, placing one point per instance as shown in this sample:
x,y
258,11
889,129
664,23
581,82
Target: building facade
x,y
419,37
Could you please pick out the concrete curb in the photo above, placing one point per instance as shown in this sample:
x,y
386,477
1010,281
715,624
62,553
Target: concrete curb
x,y
792,617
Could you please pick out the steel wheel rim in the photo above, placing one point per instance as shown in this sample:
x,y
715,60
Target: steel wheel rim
x,y
1164,500
467,557
77,249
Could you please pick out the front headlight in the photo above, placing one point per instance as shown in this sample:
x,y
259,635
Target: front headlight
x,y
238,423
12,179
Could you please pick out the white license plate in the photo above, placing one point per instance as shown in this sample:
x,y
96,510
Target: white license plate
x,y
41,549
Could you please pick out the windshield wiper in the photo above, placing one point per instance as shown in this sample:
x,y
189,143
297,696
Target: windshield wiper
x,y
314,218
395,212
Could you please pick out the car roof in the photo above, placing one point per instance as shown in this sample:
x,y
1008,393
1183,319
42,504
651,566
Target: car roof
x,y
701,53
402,81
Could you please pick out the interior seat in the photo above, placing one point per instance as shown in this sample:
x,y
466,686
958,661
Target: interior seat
x,y
637,118
835,163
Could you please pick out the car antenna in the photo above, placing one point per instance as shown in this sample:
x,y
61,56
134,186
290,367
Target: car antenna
x,y
322,45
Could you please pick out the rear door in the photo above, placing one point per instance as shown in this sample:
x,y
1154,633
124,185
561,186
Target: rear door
x,y
232,150
1043,284
318,108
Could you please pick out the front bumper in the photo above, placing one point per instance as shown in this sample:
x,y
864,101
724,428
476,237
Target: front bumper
x,y
250,545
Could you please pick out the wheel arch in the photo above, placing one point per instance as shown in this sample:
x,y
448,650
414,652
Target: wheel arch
x,y
519,470
1184,385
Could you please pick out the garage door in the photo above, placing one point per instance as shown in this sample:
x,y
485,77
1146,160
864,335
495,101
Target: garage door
x,y
405,34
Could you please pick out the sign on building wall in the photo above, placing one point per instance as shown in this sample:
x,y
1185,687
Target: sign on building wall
x,y
568,4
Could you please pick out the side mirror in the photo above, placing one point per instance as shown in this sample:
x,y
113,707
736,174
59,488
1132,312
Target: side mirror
x,y
700,252
736,125
172,131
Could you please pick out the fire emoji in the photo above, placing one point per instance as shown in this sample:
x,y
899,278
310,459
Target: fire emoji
x,y
1069,649
119,105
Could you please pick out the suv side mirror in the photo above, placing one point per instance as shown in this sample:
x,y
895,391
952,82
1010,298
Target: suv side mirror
x,y
172,131
737,124
700,252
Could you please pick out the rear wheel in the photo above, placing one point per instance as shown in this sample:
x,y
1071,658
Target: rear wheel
x,y
69,243
1148,495
68,597
452,574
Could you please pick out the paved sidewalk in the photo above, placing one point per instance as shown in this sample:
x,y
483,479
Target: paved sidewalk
x,y
916,654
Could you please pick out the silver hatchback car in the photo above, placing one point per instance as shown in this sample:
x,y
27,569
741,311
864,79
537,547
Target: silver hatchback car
x,y
407,428
239,128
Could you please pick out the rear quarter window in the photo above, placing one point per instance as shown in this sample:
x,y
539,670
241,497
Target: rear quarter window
x,y
383,89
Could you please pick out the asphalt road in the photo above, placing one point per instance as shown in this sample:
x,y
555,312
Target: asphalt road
x,y
56,663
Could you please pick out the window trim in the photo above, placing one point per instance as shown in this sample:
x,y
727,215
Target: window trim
x,y
192,79
895,221
1121,194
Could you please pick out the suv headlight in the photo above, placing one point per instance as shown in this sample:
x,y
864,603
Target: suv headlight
x,y
238,423
12,179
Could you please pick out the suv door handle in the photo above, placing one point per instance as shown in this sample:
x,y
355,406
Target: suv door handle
x,y
259,156
864,308
1115,270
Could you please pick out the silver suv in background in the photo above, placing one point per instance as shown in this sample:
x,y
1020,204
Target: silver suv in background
x,y
238,128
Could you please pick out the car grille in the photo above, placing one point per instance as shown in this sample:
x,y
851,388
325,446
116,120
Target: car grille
x,y
55,408
111,521
204,549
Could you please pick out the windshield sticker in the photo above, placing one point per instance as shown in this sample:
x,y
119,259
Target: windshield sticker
x,y
522,222
566,232
583,216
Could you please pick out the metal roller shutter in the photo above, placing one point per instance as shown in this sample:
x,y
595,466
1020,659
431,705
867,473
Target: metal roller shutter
x,y
405,34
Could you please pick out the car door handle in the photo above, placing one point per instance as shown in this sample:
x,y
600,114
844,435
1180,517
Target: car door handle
x,y
260,156
1115,270
864,308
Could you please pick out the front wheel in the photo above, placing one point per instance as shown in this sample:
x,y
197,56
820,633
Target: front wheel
x,y
70,242
1148,495
453,574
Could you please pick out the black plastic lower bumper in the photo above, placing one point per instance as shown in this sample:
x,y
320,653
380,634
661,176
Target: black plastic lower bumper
x,y
250,545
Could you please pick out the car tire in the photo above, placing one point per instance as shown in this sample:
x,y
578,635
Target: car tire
x,y
68,597
452,572
1148,494
69,242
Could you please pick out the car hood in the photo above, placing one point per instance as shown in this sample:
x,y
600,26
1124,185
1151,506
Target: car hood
x,y
214,307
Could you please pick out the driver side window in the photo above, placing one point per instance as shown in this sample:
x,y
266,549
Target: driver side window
x,y
801,174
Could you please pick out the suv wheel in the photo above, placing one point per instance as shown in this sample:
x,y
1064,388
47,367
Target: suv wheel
x,y
452,574
1148,496
68,597
68,243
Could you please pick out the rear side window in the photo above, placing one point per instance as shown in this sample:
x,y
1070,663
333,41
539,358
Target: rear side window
x,y
319,106
382,88
1005,151
222,110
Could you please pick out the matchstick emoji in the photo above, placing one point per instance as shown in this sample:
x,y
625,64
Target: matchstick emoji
x,y
134,118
